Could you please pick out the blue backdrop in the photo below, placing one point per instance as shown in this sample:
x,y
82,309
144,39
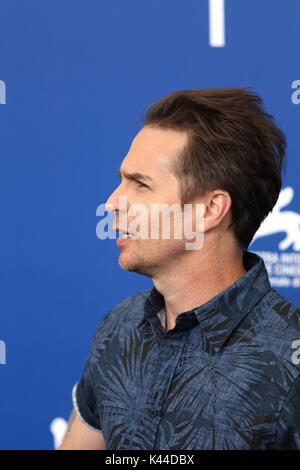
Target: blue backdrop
x,y
75,76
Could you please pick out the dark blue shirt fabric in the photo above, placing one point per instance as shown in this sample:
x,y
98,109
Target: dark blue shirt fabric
x,y
225,377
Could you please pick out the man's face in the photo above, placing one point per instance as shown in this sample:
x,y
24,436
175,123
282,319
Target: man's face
x,y
151,153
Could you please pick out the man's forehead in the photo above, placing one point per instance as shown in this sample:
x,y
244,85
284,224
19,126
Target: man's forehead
x,y
153,151
163,142
134,175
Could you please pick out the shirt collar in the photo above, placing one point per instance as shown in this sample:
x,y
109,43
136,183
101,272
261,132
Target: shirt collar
x,y
220,315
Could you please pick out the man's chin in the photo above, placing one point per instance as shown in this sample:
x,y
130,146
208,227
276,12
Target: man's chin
x,y
131,266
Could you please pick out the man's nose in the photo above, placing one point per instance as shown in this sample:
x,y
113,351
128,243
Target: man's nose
x,y
116,202
111,203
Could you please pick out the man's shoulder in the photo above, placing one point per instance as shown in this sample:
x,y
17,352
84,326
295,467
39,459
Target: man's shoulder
x,y
282,311
279,325
131,308
127,312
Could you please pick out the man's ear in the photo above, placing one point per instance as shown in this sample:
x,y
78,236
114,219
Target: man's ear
x,y
217,204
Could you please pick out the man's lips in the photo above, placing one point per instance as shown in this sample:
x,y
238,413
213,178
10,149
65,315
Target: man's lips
x,y
121,231
121,240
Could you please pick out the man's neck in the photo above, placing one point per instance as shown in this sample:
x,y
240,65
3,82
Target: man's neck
x,y
195,283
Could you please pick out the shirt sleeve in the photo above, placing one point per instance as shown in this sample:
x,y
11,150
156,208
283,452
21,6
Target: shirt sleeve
x,y
288,428
83,396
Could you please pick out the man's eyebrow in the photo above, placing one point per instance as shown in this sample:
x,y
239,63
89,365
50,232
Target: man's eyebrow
x,y
135,176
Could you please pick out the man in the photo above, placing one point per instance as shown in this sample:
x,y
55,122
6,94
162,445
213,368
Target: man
x,y
207,358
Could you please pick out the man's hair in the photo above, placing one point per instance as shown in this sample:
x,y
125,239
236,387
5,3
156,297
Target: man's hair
x,y
233,144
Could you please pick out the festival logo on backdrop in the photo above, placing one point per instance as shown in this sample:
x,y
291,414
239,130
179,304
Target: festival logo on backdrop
x,y
58,427
283,266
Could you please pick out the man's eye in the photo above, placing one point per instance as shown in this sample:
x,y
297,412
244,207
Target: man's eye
x,y
142,185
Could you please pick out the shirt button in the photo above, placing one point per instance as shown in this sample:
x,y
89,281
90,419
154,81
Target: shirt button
x,y
152,413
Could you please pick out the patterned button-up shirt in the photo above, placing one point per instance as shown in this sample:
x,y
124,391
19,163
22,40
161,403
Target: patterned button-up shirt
x,y
225,377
